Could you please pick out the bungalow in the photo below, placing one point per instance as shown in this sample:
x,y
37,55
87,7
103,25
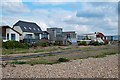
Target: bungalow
x,y
9,33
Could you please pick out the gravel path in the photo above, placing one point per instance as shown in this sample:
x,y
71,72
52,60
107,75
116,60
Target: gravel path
x,y
84,68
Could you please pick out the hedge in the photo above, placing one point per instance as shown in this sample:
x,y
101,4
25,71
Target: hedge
x,y
14,44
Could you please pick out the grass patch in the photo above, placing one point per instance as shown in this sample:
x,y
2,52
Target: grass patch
x,y
18,62
34,62
38,51
51,54
40,61
99,56
110,53
14,51
103,54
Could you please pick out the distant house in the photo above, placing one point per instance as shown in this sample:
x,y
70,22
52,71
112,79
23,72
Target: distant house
x,y
112,37
55,34
30,31
70,36
97,36
9,33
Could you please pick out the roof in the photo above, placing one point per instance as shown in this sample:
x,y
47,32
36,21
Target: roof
x,y
45,32
99,34
28,27
69,32
10,28
54,28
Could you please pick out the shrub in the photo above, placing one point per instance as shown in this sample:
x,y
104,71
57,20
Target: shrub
x,y
41,43
59,43
96,43
14,44
44,44
82,43
63,59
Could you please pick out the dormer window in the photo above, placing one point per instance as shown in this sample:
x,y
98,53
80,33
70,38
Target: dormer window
x,y
29,28
25,28
34,28
38,29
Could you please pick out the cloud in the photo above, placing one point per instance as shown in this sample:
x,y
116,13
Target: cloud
x,y
84,18
81,29
13,7
101,17
97,9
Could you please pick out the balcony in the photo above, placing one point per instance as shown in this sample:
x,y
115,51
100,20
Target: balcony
x,y
30,40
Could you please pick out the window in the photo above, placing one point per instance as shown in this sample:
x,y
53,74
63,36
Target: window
x,y
44,36
7,36
59,31
38,29
34,28
36,36
29,28
25,28
28,36
12,36
68,36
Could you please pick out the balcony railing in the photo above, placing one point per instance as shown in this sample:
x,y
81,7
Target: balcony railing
x,y
30,40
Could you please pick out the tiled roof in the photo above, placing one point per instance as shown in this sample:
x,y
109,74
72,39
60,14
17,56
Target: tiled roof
x,y
28,27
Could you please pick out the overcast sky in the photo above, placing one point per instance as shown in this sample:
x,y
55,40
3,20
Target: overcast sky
x,y
82,17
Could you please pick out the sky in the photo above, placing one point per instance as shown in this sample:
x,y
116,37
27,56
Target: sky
x,y
82,17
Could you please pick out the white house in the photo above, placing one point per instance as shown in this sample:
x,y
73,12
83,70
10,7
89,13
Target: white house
x,y
97,36
9,33
30,31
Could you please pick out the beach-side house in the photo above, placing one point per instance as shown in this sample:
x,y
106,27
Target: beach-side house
x,y
112,37
55,35
70,36
97,36
30,31
9,33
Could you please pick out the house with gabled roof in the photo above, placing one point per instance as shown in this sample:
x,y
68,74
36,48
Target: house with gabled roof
x,y
9,33
30,31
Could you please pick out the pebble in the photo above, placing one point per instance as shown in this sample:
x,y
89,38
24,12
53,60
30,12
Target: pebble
x,y
106,67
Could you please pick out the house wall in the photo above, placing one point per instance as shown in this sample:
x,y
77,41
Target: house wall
x,y
10,31
55,34
33,35
40,36
17,28
24,34
92,37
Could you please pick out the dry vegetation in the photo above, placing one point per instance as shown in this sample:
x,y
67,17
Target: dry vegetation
x,y
69,52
